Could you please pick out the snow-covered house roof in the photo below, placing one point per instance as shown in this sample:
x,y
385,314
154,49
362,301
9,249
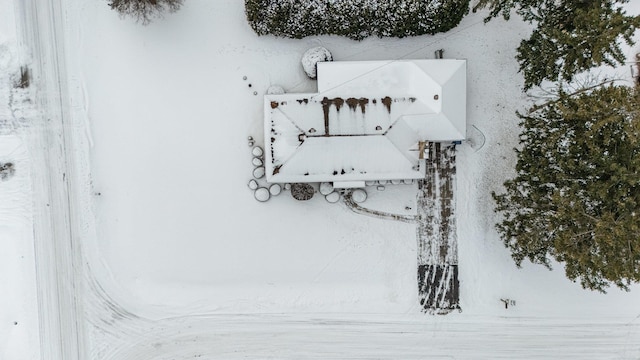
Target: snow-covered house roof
x,y
365,122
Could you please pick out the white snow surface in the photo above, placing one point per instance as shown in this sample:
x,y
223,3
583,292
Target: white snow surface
x,y
172,257
18,308
19,335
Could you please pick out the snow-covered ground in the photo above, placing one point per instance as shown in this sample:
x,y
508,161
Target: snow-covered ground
x,y
168,255
19,335
18,308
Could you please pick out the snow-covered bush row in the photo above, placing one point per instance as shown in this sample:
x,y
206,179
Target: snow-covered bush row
x,y
356,19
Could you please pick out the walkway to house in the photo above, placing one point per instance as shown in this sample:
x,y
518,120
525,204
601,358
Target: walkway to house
x,y
348,200
438,285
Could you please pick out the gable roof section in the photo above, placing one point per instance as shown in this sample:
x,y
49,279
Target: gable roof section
x,y
311,139
441,119
340,158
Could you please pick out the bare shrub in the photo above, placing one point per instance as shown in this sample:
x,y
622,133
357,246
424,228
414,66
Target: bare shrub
x,y
143,11
23,80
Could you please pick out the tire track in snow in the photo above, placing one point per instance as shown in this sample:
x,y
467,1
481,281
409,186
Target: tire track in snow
x,y
368,336
69,298
57,249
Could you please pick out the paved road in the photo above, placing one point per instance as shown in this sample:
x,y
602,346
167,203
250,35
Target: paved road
x,y
57,250
370,336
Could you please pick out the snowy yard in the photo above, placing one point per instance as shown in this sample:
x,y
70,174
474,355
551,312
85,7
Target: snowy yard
x,y
174,258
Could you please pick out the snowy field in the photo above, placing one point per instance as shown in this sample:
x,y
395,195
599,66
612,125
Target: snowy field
x,y
170,257
19,336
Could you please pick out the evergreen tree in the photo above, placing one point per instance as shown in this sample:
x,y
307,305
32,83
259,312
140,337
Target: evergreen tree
x,y
504,7
571,36
576,195
145,10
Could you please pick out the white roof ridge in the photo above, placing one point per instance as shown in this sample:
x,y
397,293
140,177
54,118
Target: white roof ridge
x,y
399,121
276,168
438,78
290,120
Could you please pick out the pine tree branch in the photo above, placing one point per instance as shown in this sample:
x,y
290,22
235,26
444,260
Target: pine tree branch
x,y
577,92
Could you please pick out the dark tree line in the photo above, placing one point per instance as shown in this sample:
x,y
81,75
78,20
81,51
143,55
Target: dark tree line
x,y
571,36
576,194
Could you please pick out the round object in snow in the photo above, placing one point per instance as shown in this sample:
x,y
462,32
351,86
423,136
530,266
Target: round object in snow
x,y
359,195
287,186
383,182
407,181
7,170
275,189
395,182
257,161
250,142
332,197
250,138
369,183
275,90
262,194
258,172
257,151
312,57
326,188
380,188
253,184
302,191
